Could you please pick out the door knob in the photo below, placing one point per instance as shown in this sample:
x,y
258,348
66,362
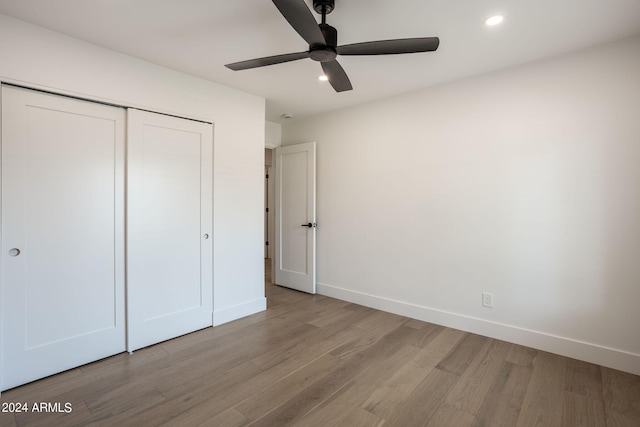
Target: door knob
x,y
310,225
14,251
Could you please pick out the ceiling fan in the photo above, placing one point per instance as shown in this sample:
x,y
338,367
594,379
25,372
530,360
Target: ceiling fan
x,y
323,43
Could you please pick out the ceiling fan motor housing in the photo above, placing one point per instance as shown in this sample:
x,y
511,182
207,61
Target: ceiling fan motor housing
x,y
327,4
326,52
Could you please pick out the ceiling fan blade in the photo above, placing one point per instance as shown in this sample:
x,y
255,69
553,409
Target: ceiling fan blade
x,y
337,77
268,60
301,19
390,47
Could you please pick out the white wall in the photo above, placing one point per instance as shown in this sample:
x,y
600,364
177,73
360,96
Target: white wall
x,y
39,58
523,183
272,134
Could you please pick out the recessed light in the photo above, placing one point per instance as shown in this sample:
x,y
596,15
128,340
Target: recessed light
x,y
323,78
493,20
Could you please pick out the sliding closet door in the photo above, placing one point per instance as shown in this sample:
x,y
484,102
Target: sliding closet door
x,y
62,255
169,222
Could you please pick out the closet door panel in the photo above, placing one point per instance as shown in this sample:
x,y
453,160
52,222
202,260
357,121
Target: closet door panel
x,y
63,210
169,257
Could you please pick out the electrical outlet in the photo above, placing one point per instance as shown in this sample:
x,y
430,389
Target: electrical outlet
x,y
487,300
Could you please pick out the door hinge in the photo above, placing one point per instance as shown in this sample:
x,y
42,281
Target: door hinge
x,y
267,209
267,176
267,243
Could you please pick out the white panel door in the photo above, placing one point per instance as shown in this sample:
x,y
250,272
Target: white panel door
x,y
62,234
169,223
295,254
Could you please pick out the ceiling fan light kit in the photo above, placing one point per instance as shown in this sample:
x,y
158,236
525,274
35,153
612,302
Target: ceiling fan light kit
x,y
323,43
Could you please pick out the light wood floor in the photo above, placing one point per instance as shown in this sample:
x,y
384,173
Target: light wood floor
x,y
316,361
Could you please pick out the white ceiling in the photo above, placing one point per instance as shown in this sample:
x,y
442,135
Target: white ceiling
x,y
199,36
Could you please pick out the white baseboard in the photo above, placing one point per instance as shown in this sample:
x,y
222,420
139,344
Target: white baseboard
x,y
248,308
588,352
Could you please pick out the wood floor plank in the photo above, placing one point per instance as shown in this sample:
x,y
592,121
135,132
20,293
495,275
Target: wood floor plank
x,y
274,396
195,405
424,335
358,417
352,394
239,383
475,382
184,398
501,406
584,379
176,412
207,335
324,338
192,400
621,398
542,405
310,360
523,356
107,403
374,327
579,410
330,317
512,380
422,404
228,357
498,410
442,344
418,324
79,413
355,362
228,418
459,358
383,400
360,308
7,419
449,415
